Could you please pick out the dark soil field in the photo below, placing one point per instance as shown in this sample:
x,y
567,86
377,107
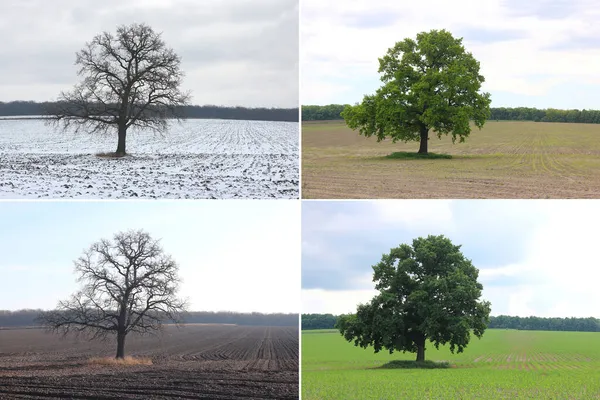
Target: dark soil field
x,y
506,159
191,362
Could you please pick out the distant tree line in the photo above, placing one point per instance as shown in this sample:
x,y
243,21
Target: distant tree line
x,y
29,108
547,115
318,321
322,113
223,317
545,324
327,321
332,112
27,318
18,318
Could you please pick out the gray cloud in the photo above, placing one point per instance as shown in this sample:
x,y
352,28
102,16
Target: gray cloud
x,y
484,35
577,43
544,9
238,52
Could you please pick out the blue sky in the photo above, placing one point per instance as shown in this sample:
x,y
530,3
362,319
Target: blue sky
x,y
538,53
229,252
535,257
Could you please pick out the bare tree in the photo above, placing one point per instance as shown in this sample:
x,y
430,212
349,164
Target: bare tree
x,y
129,285
129,80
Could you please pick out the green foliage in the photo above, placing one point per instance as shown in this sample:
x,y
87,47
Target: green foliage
x,y
430,83
427,291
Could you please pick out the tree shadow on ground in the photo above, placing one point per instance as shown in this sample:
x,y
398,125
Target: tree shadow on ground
x,y
110,155
406,155
408,364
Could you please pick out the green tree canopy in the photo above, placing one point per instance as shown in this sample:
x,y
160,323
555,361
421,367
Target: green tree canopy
x,y
427,291
428,84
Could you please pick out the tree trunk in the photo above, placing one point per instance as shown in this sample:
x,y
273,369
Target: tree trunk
x,y
120,345
420,342
424,139
122,136
420,352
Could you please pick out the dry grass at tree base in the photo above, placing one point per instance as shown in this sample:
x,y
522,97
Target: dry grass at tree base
x,y
504,160
126,361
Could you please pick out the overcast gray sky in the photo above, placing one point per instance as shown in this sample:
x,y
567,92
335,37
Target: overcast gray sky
x,y
234,52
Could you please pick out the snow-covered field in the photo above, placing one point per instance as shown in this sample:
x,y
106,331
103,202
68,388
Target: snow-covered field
x,y
195,159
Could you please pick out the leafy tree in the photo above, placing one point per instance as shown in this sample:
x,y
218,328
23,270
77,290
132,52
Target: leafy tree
x,y
129,285
129,80
427,291
428,84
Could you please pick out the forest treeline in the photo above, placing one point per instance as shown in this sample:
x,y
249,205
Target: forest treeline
x,y
26,318
29,108
327,321
332,112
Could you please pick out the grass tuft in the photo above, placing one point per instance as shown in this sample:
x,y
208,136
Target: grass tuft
x,y
408,364
406,155
120,361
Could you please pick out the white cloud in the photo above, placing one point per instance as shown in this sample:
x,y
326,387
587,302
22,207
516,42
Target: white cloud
x,y
422,214
320,301
510,270
519,303
560,271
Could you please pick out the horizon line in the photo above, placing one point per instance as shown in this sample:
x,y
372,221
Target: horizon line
x,y
187,105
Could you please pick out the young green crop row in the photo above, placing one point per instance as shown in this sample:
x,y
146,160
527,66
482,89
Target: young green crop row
x,y
503,365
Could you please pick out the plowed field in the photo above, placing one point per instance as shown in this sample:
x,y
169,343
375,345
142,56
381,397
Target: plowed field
x,y
504,160
192,362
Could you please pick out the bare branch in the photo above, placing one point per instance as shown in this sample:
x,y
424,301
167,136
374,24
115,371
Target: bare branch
x,y
129,285
130,79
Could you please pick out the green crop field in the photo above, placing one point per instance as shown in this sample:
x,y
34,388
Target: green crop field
x,y
505,159
504,364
